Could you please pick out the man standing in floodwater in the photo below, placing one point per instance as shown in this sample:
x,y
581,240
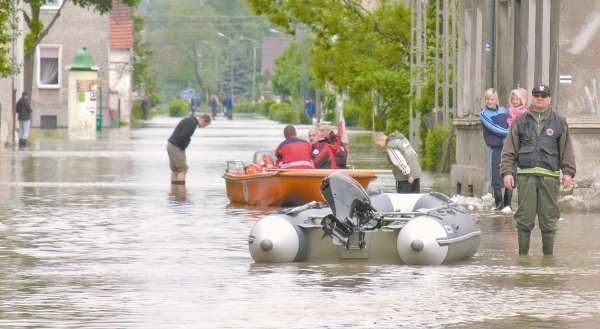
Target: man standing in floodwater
x,y
540,144
404,161
179,141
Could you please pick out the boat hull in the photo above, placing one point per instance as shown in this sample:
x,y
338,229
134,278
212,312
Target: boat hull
x,y
436,233
284,187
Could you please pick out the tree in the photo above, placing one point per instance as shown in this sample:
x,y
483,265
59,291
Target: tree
x,y
37,29
143,77
286,75
189,52
356,50
5,38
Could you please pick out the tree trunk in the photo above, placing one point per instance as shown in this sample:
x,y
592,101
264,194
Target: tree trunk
x,y
28,72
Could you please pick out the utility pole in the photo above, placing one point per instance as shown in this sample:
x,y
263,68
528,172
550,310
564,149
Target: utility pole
x,y
230,62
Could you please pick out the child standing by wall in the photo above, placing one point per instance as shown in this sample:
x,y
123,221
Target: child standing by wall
x,y
494,119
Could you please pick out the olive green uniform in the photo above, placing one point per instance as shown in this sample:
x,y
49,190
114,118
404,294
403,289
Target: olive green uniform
x,y
539,184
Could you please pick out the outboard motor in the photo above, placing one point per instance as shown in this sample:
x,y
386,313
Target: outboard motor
x,y
352,213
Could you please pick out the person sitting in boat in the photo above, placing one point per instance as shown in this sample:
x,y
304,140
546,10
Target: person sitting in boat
x,y
293,152
339,148
322,155
267,161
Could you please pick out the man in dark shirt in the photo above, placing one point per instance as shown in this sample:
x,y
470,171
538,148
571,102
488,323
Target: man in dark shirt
x,y
179,141
24,116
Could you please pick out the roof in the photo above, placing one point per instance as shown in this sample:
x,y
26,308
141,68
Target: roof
x,y
121,26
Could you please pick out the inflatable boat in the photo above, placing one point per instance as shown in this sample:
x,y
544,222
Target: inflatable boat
x,y
415,229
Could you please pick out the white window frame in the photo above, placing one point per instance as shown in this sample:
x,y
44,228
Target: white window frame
x,y
52,7
41,85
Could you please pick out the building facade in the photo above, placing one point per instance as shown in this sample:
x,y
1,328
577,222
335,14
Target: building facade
x,y
74,29
109,39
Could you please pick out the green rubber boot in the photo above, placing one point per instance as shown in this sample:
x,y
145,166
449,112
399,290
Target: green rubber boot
x,y
548,243
523,243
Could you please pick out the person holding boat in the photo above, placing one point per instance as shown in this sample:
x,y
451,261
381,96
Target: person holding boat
x,y
322,155
403,157
179,141
293,152
540,144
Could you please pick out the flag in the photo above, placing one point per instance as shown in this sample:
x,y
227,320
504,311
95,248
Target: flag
x,y
342,128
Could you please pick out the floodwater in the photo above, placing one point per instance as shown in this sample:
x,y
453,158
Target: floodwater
x,y
93,236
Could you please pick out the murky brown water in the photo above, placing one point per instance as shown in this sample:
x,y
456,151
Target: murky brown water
x,y
93,236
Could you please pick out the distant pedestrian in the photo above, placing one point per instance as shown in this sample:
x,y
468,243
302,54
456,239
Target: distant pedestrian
x,y
194,104
179,141
494,120
145,108
404,161
213,103
228,105
310,109
540,144
24,117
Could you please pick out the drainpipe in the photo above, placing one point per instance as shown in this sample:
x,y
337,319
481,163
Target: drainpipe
x,y
12,79
490,43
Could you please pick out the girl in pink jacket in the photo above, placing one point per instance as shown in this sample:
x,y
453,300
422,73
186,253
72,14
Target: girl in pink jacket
x,y
518,104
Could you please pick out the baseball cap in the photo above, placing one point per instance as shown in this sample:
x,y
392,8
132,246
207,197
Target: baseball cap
x,y
541,89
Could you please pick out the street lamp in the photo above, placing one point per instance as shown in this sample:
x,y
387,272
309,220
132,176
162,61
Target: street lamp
x,y
230,61
254,46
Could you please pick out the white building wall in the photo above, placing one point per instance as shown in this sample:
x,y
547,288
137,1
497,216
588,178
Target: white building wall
x,y
120,83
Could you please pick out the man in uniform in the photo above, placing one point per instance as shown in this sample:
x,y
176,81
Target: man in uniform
x,y
540,144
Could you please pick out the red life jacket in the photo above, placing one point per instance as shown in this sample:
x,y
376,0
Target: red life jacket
x,y
323,156
339,149
294,153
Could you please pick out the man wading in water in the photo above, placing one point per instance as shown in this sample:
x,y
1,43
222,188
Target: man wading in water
x,y
179,141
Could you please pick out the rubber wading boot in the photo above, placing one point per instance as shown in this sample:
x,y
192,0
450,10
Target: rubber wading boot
x,y
498,198
523,243
507,197
548,243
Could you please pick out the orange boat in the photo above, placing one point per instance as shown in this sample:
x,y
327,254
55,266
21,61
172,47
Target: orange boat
x,y
283,187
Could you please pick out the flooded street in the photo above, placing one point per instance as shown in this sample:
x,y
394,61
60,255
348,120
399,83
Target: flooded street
x,y
92,235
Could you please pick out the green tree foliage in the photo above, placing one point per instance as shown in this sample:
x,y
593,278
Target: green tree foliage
x,y
190,54
38,30
5,38
286,75
436,144
355,50
144,79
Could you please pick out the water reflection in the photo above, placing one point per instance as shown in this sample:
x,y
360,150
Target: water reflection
x,y
92,235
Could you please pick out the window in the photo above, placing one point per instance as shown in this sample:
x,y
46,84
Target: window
x,y
52,4
49,66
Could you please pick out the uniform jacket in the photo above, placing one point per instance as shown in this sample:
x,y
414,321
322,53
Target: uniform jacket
x,y
539,137
294,153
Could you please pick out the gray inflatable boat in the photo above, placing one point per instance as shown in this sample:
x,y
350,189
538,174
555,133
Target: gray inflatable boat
x,y
415,229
